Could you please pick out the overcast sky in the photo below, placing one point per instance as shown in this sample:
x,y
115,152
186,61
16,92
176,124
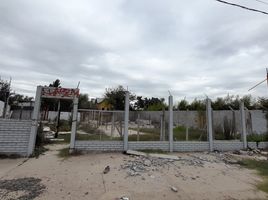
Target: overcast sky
x,y
191,48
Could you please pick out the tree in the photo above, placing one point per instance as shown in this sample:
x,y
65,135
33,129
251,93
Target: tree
x,y
150,104
262,103
116,97
183,105
55,83
83,102
4,90
197,105
139,104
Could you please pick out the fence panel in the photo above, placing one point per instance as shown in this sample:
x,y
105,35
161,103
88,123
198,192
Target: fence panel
x,y
100,125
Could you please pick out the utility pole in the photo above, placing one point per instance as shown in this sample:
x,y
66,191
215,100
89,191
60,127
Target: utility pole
x,y
266,79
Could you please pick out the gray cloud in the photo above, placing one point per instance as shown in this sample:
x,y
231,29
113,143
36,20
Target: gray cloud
x,y
190,48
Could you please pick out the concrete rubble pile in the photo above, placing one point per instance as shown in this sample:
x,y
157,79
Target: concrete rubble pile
x,y
142,164
253,153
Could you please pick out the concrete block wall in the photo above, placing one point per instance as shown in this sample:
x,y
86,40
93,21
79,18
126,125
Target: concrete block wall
x,y
183,146
188,146
14,136
262,145
225,145
99,145
154,145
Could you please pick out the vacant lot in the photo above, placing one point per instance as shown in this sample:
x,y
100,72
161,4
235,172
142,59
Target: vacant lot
x,y
194,176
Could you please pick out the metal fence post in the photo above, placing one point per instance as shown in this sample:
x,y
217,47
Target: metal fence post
x,y
243,124
126,121
170,100
209,124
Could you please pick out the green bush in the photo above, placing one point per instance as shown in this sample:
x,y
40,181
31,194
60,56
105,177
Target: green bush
x,y
257,137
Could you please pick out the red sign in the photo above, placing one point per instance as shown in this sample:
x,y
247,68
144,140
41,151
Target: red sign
x,y
61,93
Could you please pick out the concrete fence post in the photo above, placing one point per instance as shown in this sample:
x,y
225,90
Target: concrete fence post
x,y
209,124
187,126
243,124
170,102
112,126
35,119
126,121
74,124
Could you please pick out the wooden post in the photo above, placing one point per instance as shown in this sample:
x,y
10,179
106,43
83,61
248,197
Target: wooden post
x,y
58,120
112,126
187,125
164,124
138,131
161,127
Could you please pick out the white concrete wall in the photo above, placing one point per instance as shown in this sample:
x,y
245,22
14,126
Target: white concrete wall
x,y
187,146
259,122
14,136
99,145
255,119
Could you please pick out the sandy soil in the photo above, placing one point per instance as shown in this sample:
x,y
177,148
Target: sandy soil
x,y
81,177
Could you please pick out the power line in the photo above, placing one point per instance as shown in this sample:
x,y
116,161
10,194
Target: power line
x,y
264,2
244,7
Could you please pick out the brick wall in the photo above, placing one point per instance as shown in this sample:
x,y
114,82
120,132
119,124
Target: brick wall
x,y
99,145
227,145
190,146
261,145
14,136
154,145
185,146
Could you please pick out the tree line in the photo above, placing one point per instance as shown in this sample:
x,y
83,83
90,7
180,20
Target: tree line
x,y
116,98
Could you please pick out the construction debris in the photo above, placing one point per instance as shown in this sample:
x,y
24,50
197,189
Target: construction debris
x,y
140,163
163,156
136,153
252,153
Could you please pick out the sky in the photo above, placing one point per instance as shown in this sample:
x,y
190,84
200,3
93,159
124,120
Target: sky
x,y
191,48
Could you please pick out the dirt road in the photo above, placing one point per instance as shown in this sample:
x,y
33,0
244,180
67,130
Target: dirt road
x,y
81,177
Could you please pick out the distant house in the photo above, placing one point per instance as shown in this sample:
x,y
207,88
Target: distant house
x,y
22,110
103,104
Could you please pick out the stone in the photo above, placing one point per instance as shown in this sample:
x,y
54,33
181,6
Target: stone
x,y
147,163
106,170
174,189
124,198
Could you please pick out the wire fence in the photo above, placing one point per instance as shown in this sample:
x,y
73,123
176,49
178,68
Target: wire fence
x,y
100,125
226,125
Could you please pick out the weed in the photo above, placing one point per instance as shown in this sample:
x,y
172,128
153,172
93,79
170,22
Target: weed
x,y
262,169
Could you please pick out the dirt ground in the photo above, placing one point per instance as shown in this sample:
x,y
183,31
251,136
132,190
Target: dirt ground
x,y
195,176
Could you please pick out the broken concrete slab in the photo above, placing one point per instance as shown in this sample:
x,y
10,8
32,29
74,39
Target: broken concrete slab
x,y
164,156
135,153
153,155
